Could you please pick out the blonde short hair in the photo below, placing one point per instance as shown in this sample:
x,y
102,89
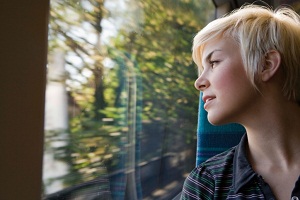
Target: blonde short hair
x,y
257,30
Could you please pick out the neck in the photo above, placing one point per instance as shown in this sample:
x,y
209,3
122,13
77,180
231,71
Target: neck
x,y
274,138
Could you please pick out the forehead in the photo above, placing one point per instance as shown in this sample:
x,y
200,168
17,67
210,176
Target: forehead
x,y
223,45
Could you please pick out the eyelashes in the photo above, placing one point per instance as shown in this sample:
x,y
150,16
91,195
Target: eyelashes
x,y
213,63
210,64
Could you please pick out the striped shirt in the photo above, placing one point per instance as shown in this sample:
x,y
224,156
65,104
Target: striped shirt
x,y
229,176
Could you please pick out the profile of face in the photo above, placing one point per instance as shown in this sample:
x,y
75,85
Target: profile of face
x,y
228,94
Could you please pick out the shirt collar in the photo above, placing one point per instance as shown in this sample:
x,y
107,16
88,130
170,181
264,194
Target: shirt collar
x,y
242,170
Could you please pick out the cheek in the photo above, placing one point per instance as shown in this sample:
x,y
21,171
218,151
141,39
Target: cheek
x,y
225,81
232,78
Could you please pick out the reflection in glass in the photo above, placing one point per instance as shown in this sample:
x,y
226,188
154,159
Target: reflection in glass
x,y
121,111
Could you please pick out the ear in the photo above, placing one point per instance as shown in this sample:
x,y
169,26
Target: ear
x,y
272,64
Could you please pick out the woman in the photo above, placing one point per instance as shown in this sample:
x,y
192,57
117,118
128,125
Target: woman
x,y
249,66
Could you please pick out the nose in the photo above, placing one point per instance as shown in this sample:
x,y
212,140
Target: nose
x,y
201,83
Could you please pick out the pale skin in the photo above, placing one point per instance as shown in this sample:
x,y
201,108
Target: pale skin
x,y
271,120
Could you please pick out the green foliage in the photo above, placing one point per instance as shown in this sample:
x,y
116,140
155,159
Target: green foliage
x,y
162,47
149,81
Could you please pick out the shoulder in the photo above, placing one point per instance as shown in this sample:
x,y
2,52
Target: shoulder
x,y
211,178
219,161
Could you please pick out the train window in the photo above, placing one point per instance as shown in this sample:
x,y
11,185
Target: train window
x,y
121,111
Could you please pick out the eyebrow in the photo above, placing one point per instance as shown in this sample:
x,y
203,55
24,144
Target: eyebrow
x,y
207,60
208,57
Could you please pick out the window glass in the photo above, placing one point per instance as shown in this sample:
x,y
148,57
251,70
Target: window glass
x,y
121,110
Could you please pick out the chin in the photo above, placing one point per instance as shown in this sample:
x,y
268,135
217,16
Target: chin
x,y
217,120
216,123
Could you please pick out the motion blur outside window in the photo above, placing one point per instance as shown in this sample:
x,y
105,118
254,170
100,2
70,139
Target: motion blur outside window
x,y
121,110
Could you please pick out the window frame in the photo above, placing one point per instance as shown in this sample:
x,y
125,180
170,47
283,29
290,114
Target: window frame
x,y
23,58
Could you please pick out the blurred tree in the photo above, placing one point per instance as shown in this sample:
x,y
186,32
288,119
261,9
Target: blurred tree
x,y
101,132
148,62
162,47
75,26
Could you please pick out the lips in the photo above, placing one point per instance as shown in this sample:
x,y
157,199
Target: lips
x,y
207,100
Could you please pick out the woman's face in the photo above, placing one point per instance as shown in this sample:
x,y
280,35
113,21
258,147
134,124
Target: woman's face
x,y
227,92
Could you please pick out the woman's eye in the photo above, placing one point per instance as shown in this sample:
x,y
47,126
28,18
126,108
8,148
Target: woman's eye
x,y
213,63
